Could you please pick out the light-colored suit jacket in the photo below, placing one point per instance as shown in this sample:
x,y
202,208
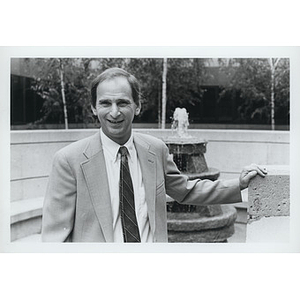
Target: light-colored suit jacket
x,y
77,206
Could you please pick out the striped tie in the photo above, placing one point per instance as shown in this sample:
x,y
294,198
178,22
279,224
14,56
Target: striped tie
x,y
127,208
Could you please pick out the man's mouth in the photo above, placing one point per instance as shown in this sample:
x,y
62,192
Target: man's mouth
x,y
115,122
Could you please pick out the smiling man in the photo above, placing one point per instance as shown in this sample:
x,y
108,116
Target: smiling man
x,y
112,186
116,108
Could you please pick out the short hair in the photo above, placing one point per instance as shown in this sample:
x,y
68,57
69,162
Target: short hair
x,y
113,73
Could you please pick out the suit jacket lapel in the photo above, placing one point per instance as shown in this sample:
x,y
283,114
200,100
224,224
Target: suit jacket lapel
x,y
148,168
94,171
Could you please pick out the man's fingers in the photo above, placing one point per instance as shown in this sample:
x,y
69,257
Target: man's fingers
x,y
259,170
250,172
250,175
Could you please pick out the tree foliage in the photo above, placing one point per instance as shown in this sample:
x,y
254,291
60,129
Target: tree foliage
x,y
47,84
183,85
248,87
250,81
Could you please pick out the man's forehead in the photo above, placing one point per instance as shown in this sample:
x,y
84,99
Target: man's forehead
x,y
114,85
114,89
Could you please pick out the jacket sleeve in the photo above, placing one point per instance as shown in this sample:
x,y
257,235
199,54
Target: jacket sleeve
x,y
59,203
198,192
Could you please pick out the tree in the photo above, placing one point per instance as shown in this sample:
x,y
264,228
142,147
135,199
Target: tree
x,y
164,93
61,71
273,63
262,85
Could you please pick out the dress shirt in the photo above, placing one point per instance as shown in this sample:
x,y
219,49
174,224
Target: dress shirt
x,y
112,161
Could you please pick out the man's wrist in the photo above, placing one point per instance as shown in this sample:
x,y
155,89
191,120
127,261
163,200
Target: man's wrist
x,y
243,186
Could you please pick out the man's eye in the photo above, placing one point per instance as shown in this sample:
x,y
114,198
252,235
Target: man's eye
x,y
123,103
104,103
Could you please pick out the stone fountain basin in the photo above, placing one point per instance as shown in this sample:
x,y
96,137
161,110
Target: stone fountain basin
x,y
193,221
196,228
185,145
183,140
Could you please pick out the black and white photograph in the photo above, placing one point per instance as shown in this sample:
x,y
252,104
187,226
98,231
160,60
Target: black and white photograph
x,y
149,150
161,149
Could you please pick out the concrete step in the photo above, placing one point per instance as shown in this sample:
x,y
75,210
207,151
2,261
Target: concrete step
x,y
26,218
34,238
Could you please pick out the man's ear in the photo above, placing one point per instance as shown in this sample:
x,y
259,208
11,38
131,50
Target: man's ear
x,y
138,109
94,110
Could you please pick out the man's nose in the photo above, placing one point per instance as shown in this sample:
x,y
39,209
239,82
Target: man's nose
x,y
114,112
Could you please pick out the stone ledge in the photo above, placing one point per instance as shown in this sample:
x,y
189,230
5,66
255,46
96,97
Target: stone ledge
x,y
270,196
26,209
269,206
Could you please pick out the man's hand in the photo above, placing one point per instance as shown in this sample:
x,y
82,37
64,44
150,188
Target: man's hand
x,y
250,172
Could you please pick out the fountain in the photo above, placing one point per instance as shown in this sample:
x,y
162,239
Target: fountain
x,y
188,151
190,223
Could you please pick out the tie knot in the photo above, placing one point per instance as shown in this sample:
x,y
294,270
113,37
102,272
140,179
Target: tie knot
x,y
123,150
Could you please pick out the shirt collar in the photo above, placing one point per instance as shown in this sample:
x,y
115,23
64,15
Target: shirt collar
x,y
113,147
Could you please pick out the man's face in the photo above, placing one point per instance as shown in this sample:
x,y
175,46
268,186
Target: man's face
x,y
115,109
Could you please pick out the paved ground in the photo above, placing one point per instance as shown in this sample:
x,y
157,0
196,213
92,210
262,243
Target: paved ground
x,y
239,235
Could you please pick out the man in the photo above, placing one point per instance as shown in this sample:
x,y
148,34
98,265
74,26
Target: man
x,y
101,192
